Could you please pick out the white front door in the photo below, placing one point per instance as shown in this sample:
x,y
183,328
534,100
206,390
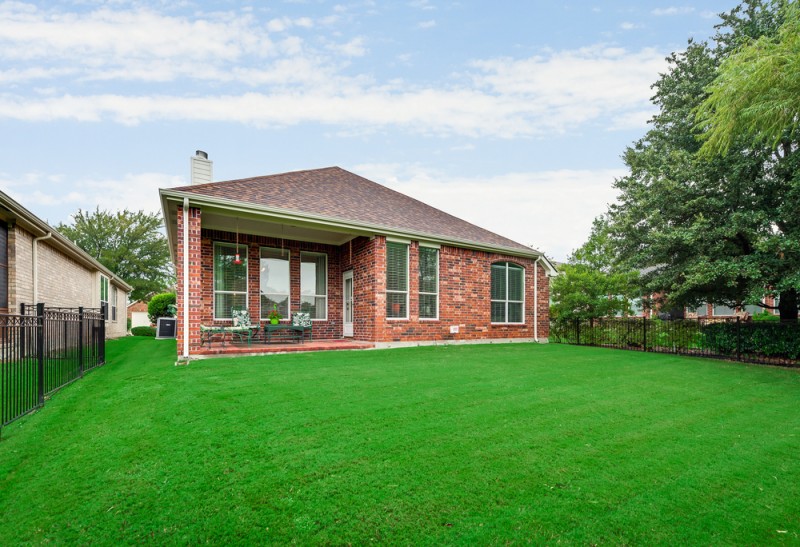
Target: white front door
x,y
347,280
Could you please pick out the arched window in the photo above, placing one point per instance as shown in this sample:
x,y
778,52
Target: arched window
x,y
508,293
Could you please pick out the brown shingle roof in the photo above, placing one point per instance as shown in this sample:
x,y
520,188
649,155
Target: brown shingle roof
x,y
335,193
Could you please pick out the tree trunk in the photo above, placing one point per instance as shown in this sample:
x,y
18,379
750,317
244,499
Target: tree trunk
x,y
788,306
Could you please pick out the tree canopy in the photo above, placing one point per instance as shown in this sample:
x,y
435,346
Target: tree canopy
x,y
722,227
756,91
130,244
588,286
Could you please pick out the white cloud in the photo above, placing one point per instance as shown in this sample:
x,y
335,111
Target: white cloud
x,y
49,195
282,79
422,4
505,97
550,210
673,10
353,48
426,24
628,25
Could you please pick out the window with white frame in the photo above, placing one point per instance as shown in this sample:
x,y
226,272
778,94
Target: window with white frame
x,y
701,311
428,283
275,283
230,279
314,284
104,293
508,293
396,280
114,295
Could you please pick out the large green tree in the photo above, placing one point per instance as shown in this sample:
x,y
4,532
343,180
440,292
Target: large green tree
x,y
129,243
723,227
589,285
756,91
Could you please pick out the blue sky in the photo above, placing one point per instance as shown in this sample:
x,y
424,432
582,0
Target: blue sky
x,y
512,115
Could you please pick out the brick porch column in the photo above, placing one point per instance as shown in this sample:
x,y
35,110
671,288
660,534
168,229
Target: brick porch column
x,y
194,305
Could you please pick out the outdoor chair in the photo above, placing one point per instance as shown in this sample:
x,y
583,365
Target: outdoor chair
x,y
303,320
242,326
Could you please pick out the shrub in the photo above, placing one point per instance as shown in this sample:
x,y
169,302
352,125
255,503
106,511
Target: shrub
x,y
765,316
161,305
143,331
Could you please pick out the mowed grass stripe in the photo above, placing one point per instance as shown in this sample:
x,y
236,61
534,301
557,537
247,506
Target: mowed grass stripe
x,y
470,444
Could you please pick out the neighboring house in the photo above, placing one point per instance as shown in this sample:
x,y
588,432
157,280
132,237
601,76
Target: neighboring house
x,y
137,314
39,265
720,310
366,262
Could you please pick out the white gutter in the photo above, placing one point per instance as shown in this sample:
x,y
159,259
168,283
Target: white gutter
x,y
536,299
186,277
36,240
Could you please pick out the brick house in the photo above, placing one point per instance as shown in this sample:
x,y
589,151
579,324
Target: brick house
x,y
366,262
38,264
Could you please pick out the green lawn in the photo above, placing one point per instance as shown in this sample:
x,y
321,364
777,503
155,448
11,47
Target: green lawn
x,y
455,445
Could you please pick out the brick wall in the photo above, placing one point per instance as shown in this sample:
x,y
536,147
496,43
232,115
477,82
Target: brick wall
x,y
196,303
464,299
63,282
464,285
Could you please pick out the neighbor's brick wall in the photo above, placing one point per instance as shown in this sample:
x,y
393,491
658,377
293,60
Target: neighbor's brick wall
x,y
138,306
20,268
63,282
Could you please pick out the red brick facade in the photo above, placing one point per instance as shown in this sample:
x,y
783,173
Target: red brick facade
x,y
464,289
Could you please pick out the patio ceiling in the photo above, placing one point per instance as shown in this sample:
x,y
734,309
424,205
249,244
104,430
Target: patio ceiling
x,y
264,226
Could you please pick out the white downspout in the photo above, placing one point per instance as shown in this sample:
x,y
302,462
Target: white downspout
x,y
36,241
536,299
186,277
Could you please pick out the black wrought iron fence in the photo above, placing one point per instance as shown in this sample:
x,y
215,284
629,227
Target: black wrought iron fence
x,y
43,349
767,342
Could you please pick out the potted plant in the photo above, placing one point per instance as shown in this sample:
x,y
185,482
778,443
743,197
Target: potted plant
x,y
274,316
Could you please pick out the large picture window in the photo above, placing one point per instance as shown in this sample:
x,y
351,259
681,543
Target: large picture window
x,y
396,280
508,293
314,285
274,281
428,283
230,279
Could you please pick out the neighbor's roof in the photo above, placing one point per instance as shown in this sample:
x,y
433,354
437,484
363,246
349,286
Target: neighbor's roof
x,y
11,210
334,193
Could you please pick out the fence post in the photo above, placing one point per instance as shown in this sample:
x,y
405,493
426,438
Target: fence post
x,y
40,349
738,338
102,342
591,331
23,347
80,339
644,332
578,332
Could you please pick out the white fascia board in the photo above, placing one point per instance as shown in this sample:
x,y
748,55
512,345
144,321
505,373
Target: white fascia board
x,y
336,224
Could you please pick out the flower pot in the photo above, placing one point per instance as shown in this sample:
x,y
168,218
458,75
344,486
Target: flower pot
x,y
274,321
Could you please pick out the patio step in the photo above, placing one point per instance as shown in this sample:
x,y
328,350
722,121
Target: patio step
x,y
216,348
